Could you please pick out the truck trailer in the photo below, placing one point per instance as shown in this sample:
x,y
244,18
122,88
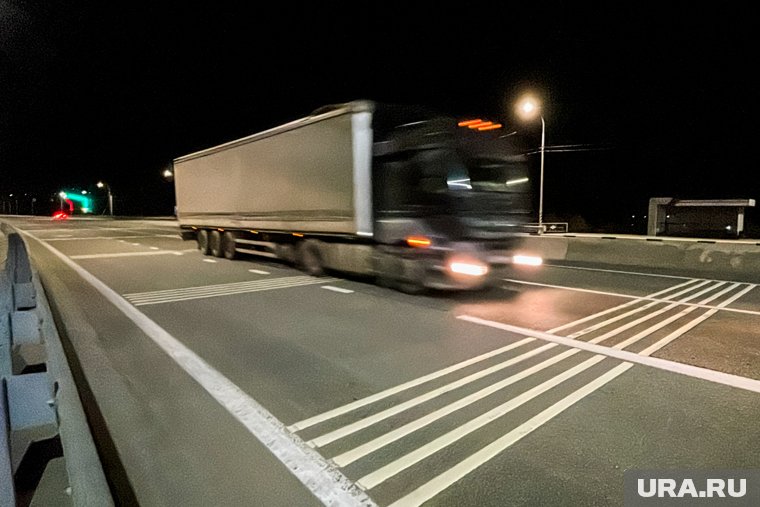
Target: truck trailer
x,y
397,194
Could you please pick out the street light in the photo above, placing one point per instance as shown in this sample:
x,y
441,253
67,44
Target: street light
x,y
528,108
101,184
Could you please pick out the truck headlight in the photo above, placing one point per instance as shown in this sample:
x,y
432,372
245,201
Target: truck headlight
x,y
471,267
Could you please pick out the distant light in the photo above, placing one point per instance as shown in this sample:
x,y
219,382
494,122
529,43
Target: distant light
x,y
60,215
86,210
480,125
467,123
168,173
100,184
418,241
527,260
84,192
728,227
463,182
62,195
516,181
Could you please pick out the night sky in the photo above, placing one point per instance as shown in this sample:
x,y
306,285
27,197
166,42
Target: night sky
x,y
643,101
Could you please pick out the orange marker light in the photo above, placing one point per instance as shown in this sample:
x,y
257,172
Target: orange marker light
x,y
490,127
480,125
418,241
467,123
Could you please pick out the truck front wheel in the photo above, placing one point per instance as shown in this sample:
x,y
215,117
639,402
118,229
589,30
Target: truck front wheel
x,y
308,258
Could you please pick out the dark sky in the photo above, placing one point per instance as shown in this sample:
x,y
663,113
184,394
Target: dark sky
x,y
664,100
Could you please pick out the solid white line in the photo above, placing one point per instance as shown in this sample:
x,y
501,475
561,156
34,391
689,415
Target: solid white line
x,y
616,271
464,467
120,238
421,380
344,409
349,457
222,286
324,480
401,407
258,271
675,334
124,254
188,297
643,298
384,473
337,289
620,307
210,261
649,316
371,446
624,355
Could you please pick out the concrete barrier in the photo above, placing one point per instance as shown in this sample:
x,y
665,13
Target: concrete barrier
x,y
738,259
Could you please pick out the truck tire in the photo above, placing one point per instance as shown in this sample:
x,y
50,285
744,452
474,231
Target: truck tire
x,y
215,243
228,245
203,241
308,259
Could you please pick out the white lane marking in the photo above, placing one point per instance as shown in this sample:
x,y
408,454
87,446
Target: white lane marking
x,y
323,479
125,254
385,472
624,305
154,248
675,334
464,467
210,261
401,407
445,371
190,293
349,457
616,271
258,271
609,321
135,244
120,238
632,357
311,421
387,438
647,298
337,289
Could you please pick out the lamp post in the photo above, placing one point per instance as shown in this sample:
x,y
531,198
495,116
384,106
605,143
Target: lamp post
x,y
101,184
528,108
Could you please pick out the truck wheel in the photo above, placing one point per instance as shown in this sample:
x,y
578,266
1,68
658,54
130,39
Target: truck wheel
x,y
228,245
308,259
203,241
215,243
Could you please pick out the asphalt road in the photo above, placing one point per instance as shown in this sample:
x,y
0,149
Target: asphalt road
x,y
245,382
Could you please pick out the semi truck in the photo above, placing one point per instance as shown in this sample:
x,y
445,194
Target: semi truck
x,y
397,194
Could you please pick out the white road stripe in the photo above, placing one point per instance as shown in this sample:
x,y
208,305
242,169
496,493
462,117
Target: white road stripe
x,y
210,261
401,407
384,473
624,305
617,271
464,467
675,334
337,289
354,454
125,254
632,357
223,290
330,414
258,271
120,238
647,298
306,423
325,481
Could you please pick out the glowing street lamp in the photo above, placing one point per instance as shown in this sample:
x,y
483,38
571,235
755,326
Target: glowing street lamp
x,y
101,184
528,108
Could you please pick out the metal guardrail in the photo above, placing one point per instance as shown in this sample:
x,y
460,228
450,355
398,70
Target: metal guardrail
x,y
47,454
